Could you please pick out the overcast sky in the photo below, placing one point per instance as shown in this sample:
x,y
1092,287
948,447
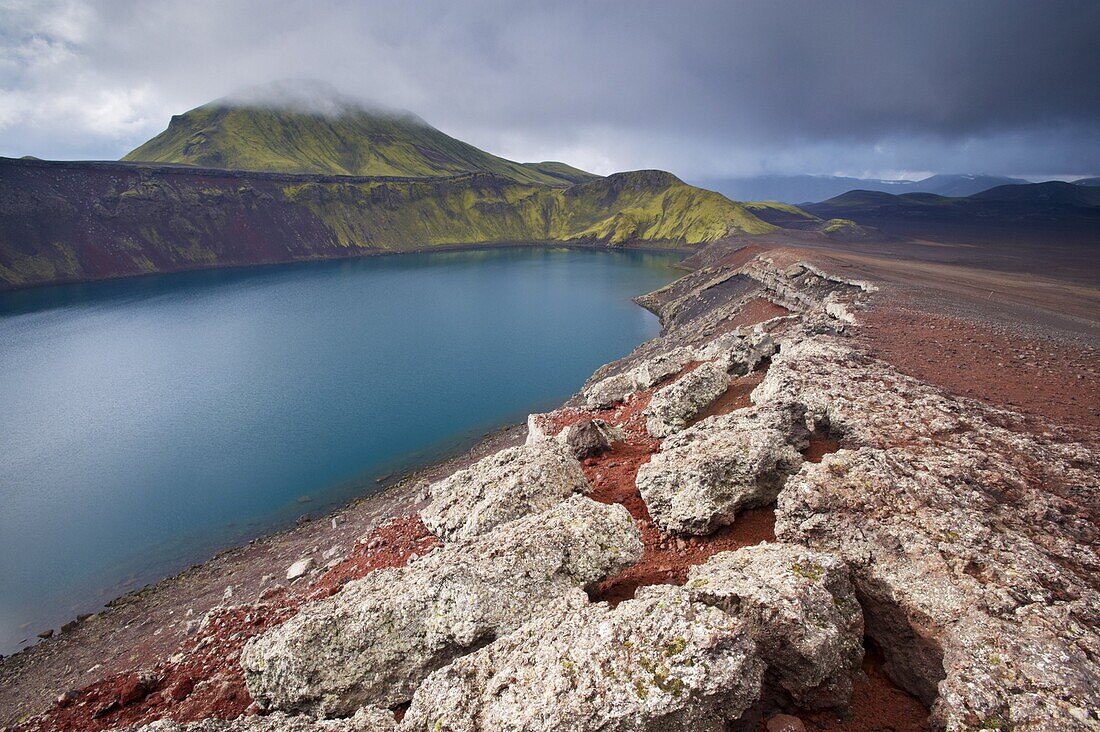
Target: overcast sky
x,y
704,89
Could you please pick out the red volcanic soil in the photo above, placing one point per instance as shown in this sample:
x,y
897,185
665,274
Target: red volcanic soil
x,y
205,679
742,256
666,559
736,395
877,705
821,444
1038,378
755,311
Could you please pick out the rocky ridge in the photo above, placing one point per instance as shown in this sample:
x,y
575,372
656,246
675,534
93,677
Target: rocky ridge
x,y
373,642
958,541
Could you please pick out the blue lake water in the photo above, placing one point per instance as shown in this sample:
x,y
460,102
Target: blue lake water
x,y
147,423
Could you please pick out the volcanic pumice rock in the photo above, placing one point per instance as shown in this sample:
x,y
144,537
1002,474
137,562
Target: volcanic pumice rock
x,y
502,487
657,662
374,641
743,351
968,608
672,407
367,719
968,538
801,611
706,474
606,392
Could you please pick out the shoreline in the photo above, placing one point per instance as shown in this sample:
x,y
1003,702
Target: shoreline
x,y
240,573
595,246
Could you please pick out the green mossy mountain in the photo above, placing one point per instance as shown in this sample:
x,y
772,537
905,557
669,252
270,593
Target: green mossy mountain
x,y
298,172
66,222
343,138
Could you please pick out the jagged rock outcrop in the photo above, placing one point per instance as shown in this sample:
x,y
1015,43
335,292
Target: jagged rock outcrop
x,y
502,487
658,662
802,287
742,350
374,641
706,474
969,543
367,719
801,611
607,392
672,407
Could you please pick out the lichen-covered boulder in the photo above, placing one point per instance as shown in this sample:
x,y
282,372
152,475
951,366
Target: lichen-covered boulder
x,y
800,609
706,474
606,392
502,487
742,351
612,389
367,719
983,607
673,406
658,662
374,641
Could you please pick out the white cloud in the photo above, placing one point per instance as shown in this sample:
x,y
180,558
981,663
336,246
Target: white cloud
x,y
714,88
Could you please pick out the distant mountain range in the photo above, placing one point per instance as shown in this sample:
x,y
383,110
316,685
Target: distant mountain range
x,y
1049,208
799,189
299,173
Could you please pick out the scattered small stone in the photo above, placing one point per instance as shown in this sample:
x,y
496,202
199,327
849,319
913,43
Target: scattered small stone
x,y
46,633
299,568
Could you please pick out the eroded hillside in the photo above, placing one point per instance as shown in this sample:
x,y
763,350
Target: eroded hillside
x,y
67,222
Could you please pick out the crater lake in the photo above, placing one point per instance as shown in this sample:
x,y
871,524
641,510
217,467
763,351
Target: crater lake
x,y
148,423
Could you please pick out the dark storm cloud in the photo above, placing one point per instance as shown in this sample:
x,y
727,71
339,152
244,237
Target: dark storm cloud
x,y
702,88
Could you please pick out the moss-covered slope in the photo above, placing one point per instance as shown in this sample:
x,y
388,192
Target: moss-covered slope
x,y
346,139
82,221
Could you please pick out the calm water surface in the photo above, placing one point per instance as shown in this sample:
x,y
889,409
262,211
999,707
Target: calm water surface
x,y
145,424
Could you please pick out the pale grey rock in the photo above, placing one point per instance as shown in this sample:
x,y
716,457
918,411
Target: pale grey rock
x,y
607,392
971,542
613,389
743,350
706,474
800,609
296,570
502,487
375,641
658,662
368,719
673,406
